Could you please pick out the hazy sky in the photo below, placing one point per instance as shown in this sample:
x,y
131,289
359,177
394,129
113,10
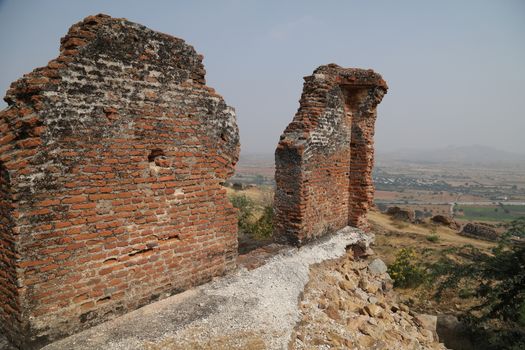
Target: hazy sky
x,y
456,69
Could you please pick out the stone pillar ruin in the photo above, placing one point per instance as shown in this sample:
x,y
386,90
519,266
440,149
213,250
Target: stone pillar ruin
x,y
325,156
111,163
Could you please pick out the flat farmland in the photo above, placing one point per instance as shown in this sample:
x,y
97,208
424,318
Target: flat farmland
x,y
423,196
492,213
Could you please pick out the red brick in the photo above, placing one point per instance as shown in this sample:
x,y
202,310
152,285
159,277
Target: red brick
x,y
48,202
315,193
75,199
113,195
84,206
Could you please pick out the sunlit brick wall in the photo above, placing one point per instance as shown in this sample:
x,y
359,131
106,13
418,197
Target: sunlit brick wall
x,y
113,157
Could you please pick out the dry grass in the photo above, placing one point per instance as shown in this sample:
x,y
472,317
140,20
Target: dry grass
x,y
261,195
412,232
390,239
424,196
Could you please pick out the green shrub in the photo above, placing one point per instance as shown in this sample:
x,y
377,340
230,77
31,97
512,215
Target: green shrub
x,y
434,238
248,223
407,271
399,224
516,228
520,318
466,293
245,206
263,227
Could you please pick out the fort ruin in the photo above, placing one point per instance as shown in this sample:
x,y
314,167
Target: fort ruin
x,y
324,160
111,162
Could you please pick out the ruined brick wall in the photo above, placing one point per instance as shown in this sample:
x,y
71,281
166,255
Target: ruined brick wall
x,y
111,162
325,156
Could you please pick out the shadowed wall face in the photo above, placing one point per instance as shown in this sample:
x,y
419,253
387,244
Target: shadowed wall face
x,y
325,156
9,302
111,163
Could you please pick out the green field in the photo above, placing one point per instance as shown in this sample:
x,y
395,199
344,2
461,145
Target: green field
x,y
503,213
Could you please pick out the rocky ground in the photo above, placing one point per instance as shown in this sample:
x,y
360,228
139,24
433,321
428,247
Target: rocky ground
x,y
348,303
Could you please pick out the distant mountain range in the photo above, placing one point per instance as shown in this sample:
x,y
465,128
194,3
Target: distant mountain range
x,y
467,155
475,154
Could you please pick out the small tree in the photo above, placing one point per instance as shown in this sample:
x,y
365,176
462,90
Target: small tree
x,y
249,222
263,227
407,270
497,280
245,206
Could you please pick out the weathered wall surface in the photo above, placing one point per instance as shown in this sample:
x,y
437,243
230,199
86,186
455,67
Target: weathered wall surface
x,y
325,156
111,163
9,301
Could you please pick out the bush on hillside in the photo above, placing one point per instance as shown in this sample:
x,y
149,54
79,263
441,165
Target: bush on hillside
x,y
497,281
263,227
407,270
249,223
245,208
434,238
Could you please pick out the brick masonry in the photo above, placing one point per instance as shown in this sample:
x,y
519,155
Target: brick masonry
x,y
111,163
325,156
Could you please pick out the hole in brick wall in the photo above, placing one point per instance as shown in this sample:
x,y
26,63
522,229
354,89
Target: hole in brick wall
x,y
88,316
169,238
4,174
154,297
110,261
157,152
158,157
26,130
141,251
23,131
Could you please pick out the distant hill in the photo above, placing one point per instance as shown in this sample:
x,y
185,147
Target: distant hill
x,y
472,155
455,154
261,159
